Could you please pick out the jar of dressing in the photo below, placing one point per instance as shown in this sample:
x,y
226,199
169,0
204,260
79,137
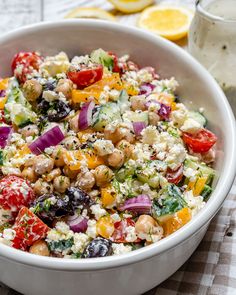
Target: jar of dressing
x,y
212,40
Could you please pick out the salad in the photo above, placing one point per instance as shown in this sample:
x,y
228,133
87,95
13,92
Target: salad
x,y
98,156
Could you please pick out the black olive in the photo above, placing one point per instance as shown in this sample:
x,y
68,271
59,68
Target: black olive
x,y
43,106
99,247
50,85
49,206
58,111
78,197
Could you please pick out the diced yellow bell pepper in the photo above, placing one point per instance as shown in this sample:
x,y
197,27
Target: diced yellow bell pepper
x,y
199,185
4,83
82,135
73,159
175,222
94,91
173,106
93,160
105,227
131,90
3,101
108,196
166,98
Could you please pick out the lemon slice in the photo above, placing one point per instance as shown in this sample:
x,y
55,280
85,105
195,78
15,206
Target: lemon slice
x,y
170,22
90,12
130,6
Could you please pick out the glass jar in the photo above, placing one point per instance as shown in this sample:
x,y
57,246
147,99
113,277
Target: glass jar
x,y
212,40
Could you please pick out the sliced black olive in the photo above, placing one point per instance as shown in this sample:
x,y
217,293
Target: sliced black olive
x,y
99,247
58,111
78,197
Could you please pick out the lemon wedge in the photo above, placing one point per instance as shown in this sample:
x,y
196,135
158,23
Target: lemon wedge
x,y
170,22
130,6
90,12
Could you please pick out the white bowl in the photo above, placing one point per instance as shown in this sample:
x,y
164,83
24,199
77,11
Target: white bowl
x,y
135,272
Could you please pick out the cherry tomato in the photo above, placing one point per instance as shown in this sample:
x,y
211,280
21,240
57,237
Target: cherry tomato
x,y
86,77
119,234
15,192
24,63
29,229
200,142
175,176
116,68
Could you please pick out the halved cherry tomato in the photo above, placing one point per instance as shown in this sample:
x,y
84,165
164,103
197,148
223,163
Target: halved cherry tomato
x,y
175,176
15,192
200,142
119,234
116,68
27,62
29,228
86,77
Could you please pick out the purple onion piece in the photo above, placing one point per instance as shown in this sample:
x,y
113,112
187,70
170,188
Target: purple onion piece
x,y
78,224
164,111
146,88
85,116
5,132
2,93
139,204
138,127
50,138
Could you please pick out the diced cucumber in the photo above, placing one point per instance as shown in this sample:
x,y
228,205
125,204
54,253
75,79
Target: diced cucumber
x,y
198,117
204,170
123,173
106,114
206,192
139,117
102,57
123,101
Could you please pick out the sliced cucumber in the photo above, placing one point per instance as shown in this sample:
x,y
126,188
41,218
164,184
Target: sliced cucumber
x,y
204,170
206,192
198,117
106,114
102,57
123,173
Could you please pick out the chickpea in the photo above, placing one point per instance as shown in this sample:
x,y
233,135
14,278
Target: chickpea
x,y
103,175
70,173
125,147
29,174
116,159
65,86
113,135
58,156
51,175
153,118
145,224
30,161
74,123
39,248
61,183
42,187
127,134
30,130
32,90
43,164
71,143
138,102
85,181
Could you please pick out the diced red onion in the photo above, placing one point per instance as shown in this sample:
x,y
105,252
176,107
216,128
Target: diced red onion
x,y
139,204
138,127
85,116
5,132
50,138
146,88
78,224
164,111
2,93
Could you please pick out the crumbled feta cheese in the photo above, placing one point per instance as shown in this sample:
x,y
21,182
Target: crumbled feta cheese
x,y
115,217
50,95
191,126
176,156
150,135
49,150
80,242
144,76
9,234
103,147
119,249
6,170
131,234
98,211
195,203
190,173
142,151
62,227
92,229
180,114
114,94
168,85
54,65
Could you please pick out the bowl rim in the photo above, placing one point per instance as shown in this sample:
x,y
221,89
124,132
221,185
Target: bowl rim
x,y
202,218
